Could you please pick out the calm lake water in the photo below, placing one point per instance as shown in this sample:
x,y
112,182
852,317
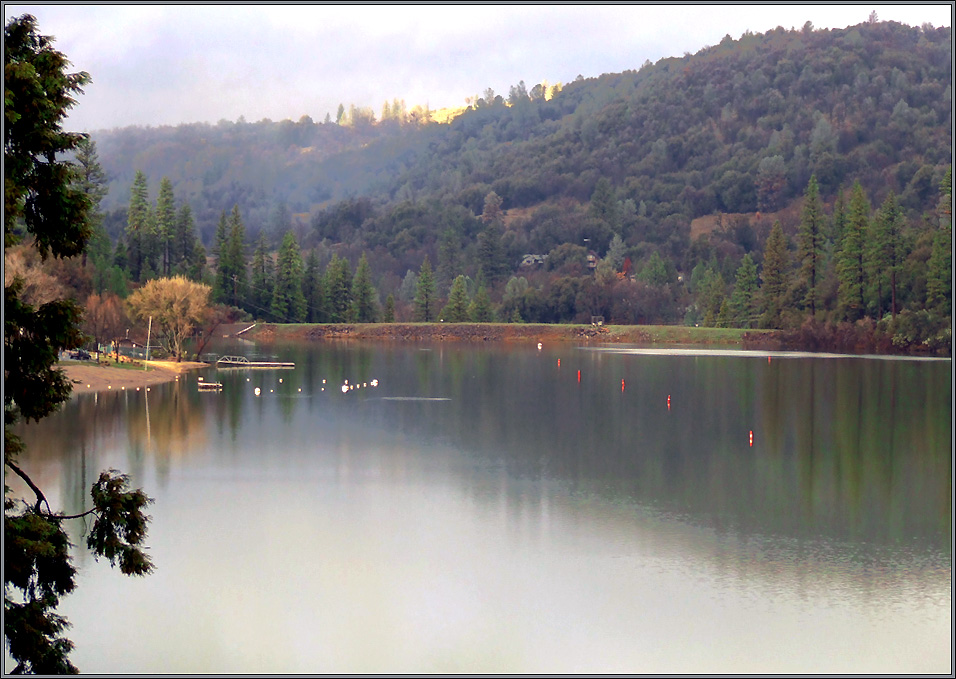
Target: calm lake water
x,y
492,509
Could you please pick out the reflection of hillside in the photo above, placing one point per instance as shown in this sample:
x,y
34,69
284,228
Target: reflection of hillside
x,y
850,449
841,446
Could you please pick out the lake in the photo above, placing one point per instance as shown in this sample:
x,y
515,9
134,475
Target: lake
x,y
505,509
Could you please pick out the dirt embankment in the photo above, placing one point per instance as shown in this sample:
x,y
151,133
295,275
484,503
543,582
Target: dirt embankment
x,y
88,377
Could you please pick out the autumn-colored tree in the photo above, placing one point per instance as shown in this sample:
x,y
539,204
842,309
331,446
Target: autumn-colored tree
x,y
176,305
104,317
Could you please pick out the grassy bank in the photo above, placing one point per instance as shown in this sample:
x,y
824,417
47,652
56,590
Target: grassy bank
x,y
513,332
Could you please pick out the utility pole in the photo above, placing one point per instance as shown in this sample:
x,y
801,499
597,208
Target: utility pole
x,y
149,333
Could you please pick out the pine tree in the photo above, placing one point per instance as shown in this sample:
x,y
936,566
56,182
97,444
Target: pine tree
x,y
262,281
745,290
456,310
42,200
492,261
238,286
91,178
811,245
389,315
851,263
137,225
364,305
885,255
480,309
425,301
939,275
338,290
711,297
312,290
774,278
288,302
165,216
191,254
222,285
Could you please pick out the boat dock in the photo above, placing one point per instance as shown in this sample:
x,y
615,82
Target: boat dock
x,y
243,362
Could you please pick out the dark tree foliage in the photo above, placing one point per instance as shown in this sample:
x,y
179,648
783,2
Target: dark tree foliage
x,y
44,198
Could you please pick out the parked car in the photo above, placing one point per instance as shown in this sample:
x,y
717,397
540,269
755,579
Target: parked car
x,y
80,355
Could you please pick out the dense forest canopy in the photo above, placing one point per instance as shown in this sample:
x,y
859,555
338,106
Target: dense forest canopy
x,y
651,195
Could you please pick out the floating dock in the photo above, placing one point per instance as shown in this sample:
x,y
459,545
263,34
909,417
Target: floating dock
x,y
209,386
243,362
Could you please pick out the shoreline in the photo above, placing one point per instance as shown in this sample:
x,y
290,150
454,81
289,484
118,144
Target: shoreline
x,y
90,378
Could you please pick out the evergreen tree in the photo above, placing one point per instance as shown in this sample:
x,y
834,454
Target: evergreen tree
x,y
711,297
237,286
449,256
851,263
885,255
137,225
456,310
91,179
480,309
190,252
165,217
288,302
389,315
742,299
364,305
492,262
811,246
425,302
312,290
338,290
262,280
41,199
222,285
774,278
939,275
838,220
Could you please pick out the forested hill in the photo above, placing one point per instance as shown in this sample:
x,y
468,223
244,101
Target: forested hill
x,y
736,128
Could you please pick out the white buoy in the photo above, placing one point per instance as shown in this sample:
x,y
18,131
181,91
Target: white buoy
x,y
345,388
257,391
539,346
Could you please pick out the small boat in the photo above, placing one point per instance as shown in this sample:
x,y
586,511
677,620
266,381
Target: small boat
x,y
243,362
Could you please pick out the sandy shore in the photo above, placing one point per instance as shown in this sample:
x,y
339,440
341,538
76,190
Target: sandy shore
x,y
88,378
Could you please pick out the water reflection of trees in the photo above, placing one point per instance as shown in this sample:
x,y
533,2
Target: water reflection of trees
x,y
842,447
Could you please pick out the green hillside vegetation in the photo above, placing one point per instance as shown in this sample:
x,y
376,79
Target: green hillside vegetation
x,y
784,177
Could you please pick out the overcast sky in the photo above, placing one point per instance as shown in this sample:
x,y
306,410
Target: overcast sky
x,y
171,64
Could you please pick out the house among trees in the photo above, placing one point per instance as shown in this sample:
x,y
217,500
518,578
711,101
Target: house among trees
x,y
533,260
